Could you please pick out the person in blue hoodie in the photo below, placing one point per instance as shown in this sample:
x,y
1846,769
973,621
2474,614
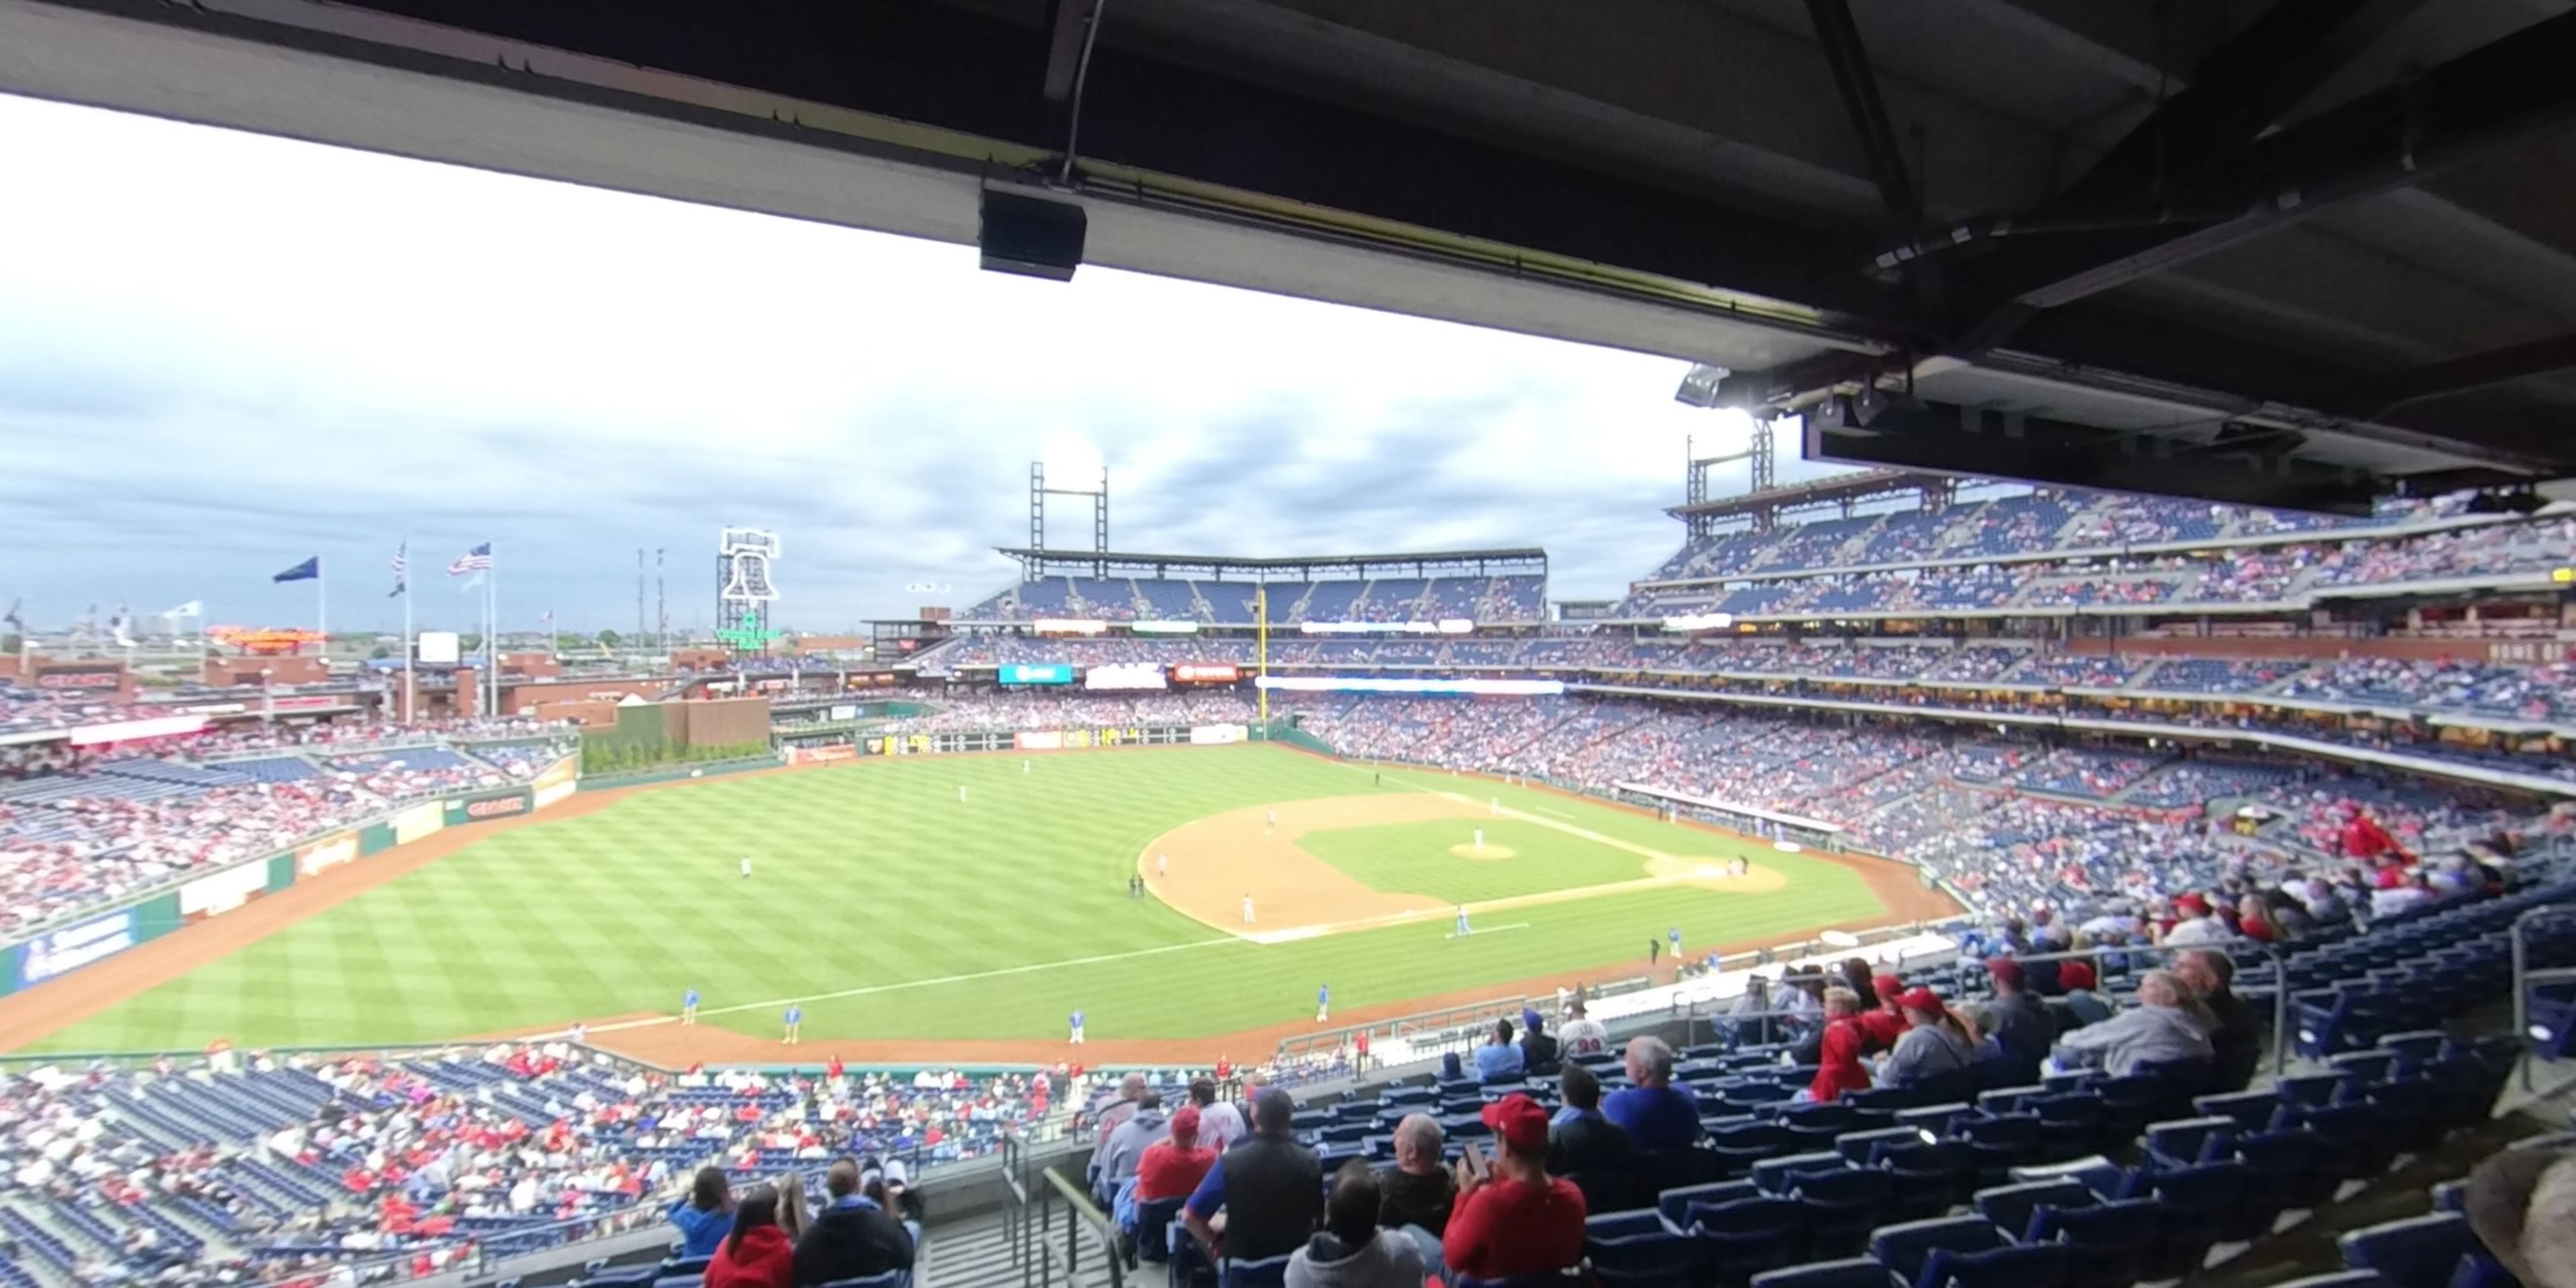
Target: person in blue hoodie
x,y
706,1216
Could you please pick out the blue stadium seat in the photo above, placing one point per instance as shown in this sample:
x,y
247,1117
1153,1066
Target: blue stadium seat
x,y
1840,1208
1858,1272
1268,1272
1908,1249
2111,1240
1674,1205
2417,1252
2029,1265
1740,1239
2011,1207
1659,1259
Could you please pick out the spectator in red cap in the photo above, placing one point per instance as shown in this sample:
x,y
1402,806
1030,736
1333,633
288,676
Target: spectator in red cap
x,y
1883,1024
1513,1218
1935,1045
2196,926
2017,1021
2082,1002
1173,1167
1838,1066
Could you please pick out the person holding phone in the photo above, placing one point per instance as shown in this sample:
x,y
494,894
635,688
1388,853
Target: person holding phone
x,y
1512,1218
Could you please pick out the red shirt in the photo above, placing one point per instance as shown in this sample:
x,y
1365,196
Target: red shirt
x,y
1838,1067
1167,1171
1508,1228
766,1259
1879,1029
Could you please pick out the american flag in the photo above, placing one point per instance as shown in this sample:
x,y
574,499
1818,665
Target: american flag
x,y
478,559
402,569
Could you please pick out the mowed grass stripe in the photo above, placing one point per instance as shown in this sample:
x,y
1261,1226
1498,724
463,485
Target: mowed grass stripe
x,y
874,874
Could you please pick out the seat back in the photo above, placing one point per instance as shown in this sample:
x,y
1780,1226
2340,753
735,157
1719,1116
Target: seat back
x,y
1858,1272
2010,1206
1674,1203
1905,1248
2418,1252
2028,1265
1268,1272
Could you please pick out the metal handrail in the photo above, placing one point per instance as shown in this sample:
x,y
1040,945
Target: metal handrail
x,y
1081,1215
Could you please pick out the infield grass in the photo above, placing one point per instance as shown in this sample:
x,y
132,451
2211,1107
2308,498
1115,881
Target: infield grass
x,y
988,919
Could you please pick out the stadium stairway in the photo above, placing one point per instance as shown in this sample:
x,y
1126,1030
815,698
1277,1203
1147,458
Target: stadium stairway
x,y
974,1254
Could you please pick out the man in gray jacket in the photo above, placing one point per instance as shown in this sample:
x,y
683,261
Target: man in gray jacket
x,y
2162,1027
1126,1145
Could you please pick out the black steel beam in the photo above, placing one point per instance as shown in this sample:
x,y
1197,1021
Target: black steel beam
x,y
2102,334
2237,91
1948,438
1839,36
2462,374
2506,92
983,76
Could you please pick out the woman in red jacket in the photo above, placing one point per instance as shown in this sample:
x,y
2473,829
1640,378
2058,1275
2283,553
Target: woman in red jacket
x,y
1838,1066
757,1254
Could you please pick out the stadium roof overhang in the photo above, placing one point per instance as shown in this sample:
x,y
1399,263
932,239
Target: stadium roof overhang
x,y
2290,252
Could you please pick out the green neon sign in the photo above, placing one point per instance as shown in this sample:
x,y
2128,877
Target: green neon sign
x,y
747,636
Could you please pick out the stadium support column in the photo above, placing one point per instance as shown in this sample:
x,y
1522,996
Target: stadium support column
x,y
1261,653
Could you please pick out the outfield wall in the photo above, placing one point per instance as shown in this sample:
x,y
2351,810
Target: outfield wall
x,y
56,951
1078,739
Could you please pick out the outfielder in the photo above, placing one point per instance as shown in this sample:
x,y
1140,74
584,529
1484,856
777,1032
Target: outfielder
x,y
1076,1039
1323,1003
795,1021
746,867
689,1007
1464,929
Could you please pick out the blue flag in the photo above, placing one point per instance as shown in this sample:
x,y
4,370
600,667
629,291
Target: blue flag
x,y
305,571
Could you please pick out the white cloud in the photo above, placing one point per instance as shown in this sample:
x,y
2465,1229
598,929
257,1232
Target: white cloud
x,y
227,352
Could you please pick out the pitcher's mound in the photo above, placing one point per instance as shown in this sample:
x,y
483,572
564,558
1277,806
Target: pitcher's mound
x,y
1483,851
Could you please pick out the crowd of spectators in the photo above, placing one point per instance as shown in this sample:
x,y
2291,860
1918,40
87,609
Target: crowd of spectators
x,y
76,832
1489,600
265,1169
1034,710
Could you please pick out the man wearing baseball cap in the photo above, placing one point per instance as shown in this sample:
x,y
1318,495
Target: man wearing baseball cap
x,y
1171,1168
2017,1021
1512,1217
2196,926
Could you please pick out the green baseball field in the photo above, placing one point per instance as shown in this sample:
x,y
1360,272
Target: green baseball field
x,y
966,906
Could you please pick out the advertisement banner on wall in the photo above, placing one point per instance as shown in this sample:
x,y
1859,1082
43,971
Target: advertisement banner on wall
x,y
418,822
507,805
61,951
544,796
222,892
1041,740
1217,735
326,854
822,755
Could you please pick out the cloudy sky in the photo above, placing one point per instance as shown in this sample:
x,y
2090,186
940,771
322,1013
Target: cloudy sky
x,y
222,353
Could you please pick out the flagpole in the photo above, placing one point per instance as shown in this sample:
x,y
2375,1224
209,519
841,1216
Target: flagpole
x,y
409,692
492,633
322,614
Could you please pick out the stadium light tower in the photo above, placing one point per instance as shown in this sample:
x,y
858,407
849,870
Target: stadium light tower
x,y
1039,491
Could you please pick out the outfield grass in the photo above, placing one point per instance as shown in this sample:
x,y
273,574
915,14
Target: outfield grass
x,y
1414,858
989,919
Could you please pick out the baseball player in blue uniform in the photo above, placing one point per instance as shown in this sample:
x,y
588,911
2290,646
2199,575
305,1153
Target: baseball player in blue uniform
x,y
1077,1026
795,1020
689,1007
1464,929
1323,1003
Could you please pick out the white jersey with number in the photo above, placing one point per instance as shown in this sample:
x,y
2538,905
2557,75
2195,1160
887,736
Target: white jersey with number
x,y
1583,1037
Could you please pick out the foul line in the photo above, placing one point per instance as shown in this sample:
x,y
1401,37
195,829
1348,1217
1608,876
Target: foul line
x,y
773,1003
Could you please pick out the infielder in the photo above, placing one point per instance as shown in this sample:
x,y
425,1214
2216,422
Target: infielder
x,y
961,793
795,1021
1464,929
1323,1003
1162,865
1247,910
1272,816
1675,935
1480,838
689,1007
1076,1022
